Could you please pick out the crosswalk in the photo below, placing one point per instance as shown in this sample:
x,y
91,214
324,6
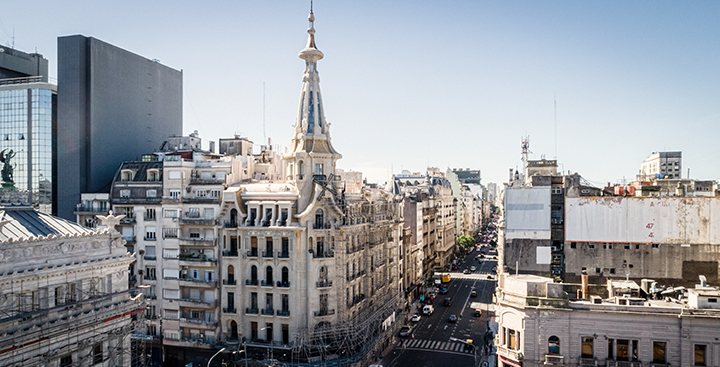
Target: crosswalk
x,y
436,345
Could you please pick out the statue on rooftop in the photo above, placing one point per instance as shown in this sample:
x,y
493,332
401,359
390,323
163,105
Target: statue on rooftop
x,y
7,170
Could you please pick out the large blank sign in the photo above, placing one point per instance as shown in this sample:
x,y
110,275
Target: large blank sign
x,y
672,220
527,212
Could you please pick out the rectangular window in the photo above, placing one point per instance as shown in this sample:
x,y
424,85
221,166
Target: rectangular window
x,y
623,350
66,361
150,233
171,273
171,213
97,354
174,194
171,294
150,272
150,214
151,193
170,232
659,352
611,348
174,175
586,347
655,245
700,355
171,253
318,168
124,193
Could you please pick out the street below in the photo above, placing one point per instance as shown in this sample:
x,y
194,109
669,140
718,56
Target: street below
x,y
435,340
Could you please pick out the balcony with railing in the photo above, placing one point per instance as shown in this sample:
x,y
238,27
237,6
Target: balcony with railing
x,y
196,242
323,284
285,284
195,257
252,310
326,254
321,225
230,224
229,310
589,362
268,254
324,313
252,253
554,360
150,257
196,219
253,282
268,311
267,283
283,313
506,352
614,363
197,281
229,282
230,253
283,255
89,209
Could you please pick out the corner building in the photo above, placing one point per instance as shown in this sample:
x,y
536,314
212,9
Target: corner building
x,y
310,261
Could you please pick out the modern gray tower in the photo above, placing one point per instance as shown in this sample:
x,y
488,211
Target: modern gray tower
x,y
113,106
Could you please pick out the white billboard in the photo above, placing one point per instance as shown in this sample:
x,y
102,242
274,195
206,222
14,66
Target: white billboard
x,y
527,212
673,220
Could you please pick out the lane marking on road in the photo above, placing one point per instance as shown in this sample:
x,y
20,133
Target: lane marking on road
x,y
429,326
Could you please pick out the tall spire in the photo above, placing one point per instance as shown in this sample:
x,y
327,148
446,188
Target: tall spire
x,y
311,132
311,144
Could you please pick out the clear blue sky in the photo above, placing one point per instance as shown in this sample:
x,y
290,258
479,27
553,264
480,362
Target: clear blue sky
x,y
411,84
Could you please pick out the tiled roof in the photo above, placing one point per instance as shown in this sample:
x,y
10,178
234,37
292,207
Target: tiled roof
x,y
27,223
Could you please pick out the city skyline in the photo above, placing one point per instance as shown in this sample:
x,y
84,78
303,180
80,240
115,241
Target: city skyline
x,y
629,79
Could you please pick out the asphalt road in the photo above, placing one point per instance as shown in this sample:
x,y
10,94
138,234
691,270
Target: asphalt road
x,y
431,344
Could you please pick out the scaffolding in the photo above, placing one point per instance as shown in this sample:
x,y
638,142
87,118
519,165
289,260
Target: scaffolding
x,y
88,325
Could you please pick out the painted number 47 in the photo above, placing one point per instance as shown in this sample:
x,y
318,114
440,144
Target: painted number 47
x,y
649,225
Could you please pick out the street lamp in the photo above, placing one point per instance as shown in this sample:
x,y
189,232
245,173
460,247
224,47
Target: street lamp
x,y
211,358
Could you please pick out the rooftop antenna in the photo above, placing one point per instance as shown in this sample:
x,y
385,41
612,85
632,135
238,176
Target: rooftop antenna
x,y
525,148
555,115
264,136
311,3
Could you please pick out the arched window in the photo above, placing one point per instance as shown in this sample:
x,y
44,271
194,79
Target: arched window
x,y
319,219
553,345
285,275
231,275
268,275
253,274
233,218
233,330
301,170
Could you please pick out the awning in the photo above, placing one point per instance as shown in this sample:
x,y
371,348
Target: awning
x,y
509,361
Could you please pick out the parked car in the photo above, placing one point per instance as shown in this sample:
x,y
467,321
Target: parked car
x,y
466,271
406,331
453,318
473,293
415,318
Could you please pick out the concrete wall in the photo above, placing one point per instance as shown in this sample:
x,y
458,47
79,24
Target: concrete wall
x,y
527,212
113,106
676,220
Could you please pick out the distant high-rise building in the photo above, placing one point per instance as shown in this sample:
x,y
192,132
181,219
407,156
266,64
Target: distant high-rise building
x,y
661,165
27,124
468,176
113,106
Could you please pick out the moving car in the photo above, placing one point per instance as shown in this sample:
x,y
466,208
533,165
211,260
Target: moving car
x,y
415,318
473,293
406,331
443,290
466,271
428,310
472,268
448,301
453,318
478,313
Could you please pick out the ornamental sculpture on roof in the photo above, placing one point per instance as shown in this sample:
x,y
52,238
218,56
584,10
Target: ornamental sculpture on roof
x,y
7,170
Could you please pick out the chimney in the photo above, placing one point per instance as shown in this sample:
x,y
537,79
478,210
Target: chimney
x,y
584,277
212,147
